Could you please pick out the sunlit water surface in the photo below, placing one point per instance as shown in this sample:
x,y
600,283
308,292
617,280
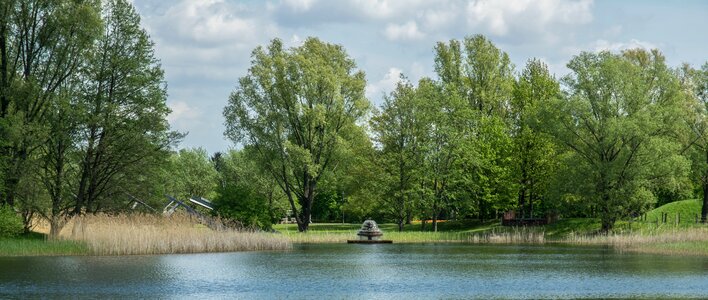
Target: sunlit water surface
x,y
339,271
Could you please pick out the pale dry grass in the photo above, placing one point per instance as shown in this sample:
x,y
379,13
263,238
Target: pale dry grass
x,y
513,235
645,241
154,234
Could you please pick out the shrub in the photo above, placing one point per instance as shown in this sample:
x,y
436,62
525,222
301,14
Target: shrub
x,y
10,222
243,205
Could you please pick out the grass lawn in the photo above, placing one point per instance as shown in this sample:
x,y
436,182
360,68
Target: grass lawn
x,y
36,244
686,210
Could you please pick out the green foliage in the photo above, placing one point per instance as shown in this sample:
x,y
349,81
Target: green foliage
x,y
191,173
535,153
617,120
295,107
245,193
244,205
10,222
401,133
478,75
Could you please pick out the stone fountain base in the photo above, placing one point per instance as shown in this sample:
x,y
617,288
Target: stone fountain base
x,y
369,241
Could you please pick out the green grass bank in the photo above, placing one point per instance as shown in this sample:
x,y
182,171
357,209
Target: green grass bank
x,y
36,244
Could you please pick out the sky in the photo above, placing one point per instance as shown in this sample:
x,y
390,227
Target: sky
x,y
205,45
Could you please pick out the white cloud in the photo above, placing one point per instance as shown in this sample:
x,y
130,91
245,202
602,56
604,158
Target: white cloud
x,y
503,17
209,22
404,32
299,5
385,85
182,113
603,45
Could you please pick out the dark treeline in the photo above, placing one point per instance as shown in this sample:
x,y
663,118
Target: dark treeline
x,y
83,129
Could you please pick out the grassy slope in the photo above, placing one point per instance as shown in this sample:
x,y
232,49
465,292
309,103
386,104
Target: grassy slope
x,y
36,244
688,210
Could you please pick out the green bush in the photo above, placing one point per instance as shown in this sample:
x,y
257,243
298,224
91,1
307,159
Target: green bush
x,y
243,205
10,222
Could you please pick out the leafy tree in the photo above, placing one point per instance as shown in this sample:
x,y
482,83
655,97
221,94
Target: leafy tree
x,y
56,171
294,107
534,151
616,119
695,83
480,73
123,131
446,118
399,130
192,174
246,193
42,44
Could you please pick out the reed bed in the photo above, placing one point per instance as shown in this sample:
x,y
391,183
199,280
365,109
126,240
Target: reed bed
x,y
512,235
672,241
151,234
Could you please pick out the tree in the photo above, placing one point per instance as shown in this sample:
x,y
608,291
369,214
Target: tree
x,y
534,151
399,131
478,72
56,171
293,107
123,131
616,119
42,44
446,118
192,174
695,83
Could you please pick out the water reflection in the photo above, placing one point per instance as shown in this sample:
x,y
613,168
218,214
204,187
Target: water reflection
x,y
363,271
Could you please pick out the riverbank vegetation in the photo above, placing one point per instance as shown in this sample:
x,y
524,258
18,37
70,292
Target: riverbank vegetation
x,y
84,132
132,234
149,234
634,237
36,244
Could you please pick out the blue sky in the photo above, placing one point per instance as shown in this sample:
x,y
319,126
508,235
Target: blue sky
x,y
205,45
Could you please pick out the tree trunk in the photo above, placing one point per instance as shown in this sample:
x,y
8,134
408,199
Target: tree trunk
x,y
704,209
56,223
522,201
435,222
607,224
608,221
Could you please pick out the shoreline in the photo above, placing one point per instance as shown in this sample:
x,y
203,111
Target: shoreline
x,y
677,241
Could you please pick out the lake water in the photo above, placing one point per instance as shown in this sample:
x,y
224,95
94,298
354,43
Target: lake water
x,y
397,271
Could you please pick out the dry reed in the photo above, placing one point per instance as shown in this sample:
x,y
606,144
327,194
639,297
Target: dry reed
x,y
514,235
647,242
151,234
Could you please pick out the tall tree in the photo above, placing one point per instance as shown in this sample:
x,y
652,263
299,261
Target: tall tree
x,y
123,131
616,119
534,150
42,43
447,119
399,130
56,171
293,107
695,83
482,74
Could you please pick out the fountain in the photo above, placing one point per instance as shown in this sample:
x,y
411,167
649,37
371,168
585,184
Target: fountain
x,y
369,234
